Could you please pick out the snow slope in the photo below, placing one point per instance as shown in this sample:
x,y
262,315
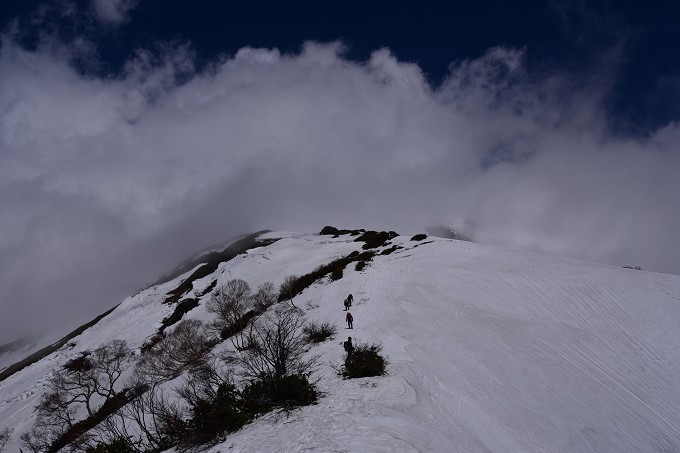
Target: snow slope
x,y
489,350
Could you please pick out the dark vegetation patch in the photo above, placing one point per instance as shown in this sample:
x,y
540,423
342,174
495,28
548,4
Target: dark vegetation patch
x,y
213,415
419,237
363,256
363,259
374,239
334,269
317,333
210,261
44,352
336,274
394,248
332,231
151,342
227,409
422,243
182,308
208,289
188,283
78,364
635,268
364,361
239,325
287,392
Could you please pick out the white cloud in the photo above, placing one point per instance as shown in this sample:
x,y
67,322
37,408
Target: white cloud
x,y
113,12
105,184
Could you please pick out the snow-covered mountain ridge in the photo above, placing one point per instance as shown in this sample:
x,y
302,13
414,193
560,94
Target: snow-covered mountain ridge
x,y
489,350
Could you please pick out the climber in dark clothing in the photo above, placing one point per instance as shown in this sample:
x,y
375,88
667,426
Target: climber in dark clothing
x,y
350,299
350,320
346,304
349,347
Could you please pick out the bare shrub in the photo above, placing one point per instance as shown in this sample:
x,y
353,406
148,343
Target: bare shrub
x,y
277,346
287,288
39,439
96,375
55,416
374,239
108,364
265,296
186,346
4,437
230,303
147,423
316,333
230,300
56,407
83,382
214,405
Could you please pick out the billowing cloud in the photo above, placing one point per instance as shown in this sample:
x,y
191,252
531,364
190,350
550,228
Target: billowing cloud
x,y
107,183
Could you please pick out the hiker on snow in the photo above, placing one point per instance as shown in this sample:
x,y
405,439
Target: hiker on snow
x,y
346,304
350,299
350,320
348,346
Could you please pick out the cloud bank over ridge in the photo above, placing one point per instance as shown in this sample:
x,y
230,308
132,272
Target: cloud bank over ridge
x,y
107,183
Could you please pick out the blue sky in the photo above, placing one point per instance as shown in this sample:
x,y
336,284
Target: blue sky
x,y
133,133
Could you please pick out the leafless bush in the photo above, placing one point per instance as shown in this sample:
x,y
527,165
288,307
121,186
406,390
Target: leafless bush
x,y
56,408
186,346
202,383
287,288
278,346
96,376
214,405
39,439
108,364
316,333
230,303
148,423
93,374
84,381
265,296
4,437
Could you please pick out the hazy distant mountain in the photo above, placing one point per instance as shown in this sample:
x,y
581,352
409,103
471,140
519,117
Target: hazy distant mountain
x,y
488,349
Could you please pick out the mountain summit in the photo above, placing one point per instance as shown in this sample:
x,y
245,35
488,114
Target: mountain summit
x,y
487,349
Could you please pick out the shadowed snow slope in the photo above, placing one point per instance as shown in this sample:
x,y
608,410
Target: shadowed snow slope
x,y
489,350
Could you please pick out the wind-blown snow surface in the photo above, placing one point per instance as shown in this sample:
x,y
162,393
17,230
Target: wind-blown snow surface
x,y
489,350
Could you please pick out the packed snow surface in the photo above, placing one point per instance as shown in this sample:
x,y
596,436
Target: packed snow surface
x,y
489,350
